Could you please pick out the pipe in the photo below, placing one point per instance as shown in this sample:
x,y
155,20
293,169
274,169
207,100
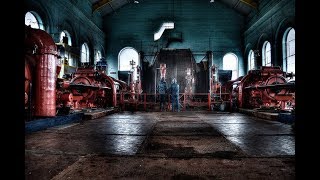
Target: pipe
x,y
273,86
113,88
164,26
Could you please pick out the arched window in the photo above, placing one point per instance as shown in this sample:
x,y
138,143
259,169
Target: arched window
x,y
251,64
98,56
33,19
65,37
128,59
289,50
230,62
266,54
126,55
84,53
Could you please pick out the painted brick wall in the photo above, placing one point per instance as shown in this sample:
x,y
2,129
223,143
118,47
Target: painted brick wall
x,y
268,22
76,17
203,26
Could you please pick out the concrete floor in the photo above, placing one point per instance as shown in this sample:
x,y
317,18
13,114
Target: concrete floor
x,y
163,145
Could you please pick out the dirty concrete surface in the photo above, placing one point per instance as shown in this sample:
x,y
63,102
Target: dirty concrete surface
x,y
163,145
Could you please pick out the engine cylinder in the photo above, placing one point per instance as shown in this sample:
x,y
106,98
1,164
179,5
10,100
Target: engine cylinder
x,y
40,45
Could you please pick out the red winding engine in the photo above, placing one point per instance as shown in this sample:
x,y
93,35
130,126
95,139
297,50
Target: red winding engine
x,y
87,89
265,87
45,93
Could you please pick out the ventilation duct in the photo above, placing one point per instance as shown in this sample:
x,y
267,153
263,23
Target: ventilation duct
x,y
164,26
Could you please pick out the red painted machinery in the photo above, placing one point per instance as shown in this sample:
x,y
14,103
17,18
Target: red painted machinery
x,y
135,80
129,95
138,87
220,90
87,89
163,70
41,68
267,87
46,94
92,88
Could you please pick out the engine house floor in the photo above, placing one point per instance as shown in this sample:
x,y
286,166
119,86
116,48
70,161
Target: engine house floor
x,y
163,145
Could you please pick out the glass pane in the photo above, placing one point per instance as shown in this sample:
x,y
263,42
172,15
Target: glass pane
x,y
291,64
230,62
291,35
127,55
268,54
251,60
98,56
63,34
31,20
291,51
291,43
84,53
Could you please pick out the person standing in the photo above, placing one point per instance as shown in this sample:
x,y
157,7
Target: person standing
x,y
162,89
174,90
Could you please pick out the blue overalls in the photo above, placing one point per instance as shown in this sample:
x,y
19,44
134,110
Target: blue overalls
x,y
175,97
162,89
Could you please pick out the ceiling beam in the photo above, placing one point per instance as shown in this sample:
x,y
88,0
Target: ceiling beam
x,y
100,4
251,3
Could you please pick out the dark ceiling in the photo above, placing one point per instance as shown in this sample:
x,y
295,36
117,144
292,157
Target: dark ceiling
x,y
109,6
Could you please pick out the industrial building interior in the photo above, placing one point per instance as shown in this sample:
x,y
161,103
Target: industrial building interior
x,y
170,89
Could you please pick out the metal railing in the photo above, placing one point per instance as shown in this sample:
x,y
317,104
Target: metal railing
x,y
187,101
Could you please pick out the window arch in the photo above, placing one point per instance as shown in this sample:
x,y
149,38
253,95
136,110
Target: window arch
x,y
266,54
32,19
126,55
251,63
65,37
289,51
230,62
98,55
84,53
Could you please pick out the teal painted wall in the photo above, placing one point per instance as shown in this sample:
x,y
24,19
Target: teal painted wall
x,y
203,26
269,22
76,17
